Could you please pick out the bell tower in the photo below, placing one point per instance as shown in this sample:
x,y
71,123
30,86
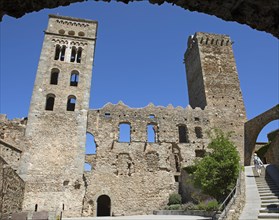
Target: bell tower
x,y
52,167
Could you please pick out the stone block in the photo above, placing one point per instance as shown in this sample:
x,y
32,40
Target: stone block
x,y
43,215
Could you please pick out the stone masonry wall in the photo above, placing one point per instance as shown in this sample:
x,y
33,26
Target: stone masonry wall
x,y
11,190
272,155
138,176
12,140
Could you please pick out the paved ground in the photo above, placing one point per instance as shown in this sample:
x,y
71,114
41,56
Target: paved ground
x,y
147,217
253,201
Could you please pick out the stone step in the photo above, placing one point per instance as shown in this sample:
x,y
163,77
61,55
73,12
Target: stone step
x,y
269,215
264,189
269,194
271,200
266,184
269,210
264,205
273,186
264,181
269,197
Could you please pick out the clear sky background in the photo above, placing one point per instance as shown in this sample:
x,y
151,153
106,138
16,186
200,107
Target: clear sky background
x,y
138,57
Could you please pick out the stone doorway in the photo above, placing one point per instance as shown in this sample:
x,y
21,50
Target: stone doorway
x,y
103,205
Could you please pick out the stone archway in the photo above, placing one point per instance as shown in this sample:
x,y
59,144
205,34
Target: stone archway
x,y
260,15
103,205
252,129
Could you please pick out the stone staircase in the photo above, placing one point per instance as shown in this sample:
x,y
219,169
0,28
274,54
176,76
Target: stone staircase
x,y
269,194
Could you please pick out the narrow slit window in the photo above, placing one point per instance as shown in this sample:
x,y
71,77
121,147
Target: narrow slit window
x,y
50,102
124,132
73,54
198,131
74,78
79,55
54,77
71,104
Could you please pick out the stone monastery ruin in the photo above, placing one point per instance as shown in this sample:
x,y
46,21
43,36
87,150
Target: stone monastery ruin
x,y
42,157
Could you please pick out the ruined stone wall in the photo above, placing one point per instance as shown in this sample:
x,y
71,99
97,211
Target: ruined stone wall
x,y
10,154
12,131
12,140
11,190
139,175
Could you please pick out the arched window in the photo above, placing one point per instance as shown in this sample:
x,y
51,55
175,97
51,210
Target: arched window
x,y
198,131
73,54
63,51
74,78
50,98
57,52
54,76
60,52
90,147
183,134
71,104
124,132
152,130
79,55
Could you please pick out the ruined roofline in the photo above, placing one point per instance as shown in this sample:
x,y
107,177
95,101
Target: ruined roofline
x,y
150,105
72,19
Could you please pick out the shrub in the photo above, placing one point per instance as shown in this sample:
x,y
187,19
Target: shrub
x,y
216,173
189,206
210,205
174,199
174,207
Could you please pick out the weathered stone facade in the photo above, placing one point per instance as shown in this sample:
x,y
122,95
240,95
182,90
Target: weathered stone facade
x,y
11,190
128,177
272,154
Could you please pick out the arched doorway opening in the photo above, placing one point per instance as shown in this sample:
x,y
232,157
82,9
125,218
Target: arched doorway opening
x,y
103,205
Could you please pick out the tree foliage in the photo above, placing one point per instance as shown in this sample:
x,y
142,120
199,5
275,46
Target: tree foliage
x,y
217,172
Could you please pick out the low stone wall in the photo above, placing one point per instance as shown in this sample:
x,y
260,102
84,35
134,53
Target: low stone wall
x,y
11,190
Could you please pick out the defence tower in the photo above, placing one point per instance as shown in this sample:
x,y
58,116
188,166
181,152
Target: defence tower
x,y
213,83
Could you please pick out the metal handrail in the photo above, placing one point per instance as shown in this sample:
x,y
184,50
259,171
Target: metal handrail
x,y
225,206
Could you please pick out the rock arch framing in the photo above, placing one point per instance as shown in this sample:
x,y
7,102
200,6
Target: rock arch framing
x,y
252,129
259,15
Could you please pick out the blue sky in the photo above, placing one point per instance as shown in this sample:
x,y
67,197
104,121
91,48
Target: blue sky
x,y
138,57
